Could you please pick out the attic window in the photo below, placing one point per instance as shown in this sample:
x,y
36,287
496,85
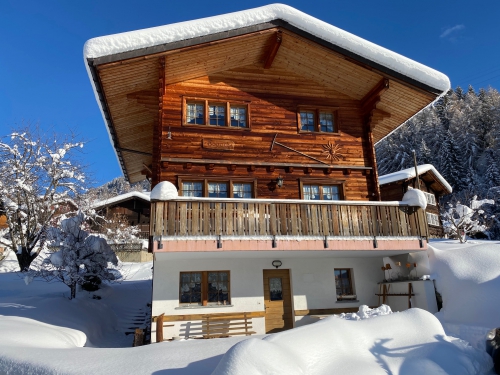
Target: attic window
x,y
321,120
205,112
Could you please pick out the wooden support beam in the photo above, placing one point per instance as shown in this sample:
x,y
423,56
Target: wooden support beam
x,y
308,170
347,171
369,104
273,50
210,166
188,165
270,168
252,165
375,93
328,171
289,169
232,167
147,168
164,165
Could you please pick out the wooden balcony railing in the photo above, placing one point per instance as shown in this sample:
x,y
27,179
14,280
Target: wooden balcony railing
x,y
186,217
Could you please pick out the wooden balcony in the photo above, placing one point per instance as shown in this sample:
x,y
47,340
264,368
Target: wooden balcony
x,y
205,217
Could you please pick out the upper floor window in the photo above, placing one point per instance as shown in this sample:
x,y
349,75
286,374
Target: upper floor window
x,y
217,189
431,198
232,115
317,120
321,191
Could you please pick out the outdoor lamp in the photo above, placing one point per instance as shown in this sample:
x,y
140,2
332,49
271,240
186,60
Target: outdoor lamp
x,y
279,181
277,263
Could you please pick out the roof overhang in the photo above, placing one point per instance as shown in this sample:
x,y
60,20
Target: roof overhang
x,y
152,43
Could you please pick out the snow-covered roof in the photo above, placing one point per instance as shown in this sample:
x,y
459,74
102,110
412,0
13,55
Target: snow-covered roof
x,y
147,39
122,197
409,173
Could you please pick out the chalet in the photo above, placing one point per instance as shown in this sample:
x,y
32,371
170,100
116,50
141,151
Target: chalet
x,y
132,209
257,130
394,185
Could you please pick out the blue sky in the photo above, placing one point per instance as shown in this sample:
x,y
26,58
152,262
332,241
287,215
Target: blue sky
x,y
44,81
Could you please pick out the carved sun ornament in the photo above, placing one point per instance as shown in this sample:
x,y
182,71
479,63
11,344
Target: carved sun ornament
x,y
332,152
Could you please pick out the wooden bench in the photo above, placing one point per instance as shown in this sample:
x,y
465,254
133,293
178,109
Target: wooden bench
x,y
216,326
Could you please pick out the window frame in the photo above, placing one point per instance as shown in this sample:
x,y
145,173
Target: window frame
x,y
204,289
431,222
230,181
321,183
351,285
430,198
317,126
206,103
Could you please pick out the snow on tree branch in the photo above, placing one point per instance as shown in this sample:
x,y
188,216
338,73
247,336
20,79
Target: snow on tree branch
x,y
38,177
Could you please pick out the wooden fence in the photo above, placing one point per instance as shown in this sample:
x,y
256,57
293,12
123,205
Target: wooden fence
x,y
237,217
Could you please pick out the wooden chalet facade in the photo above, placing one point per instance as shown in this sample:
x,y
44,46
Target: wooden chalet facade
x,y
262,134
394,185
133,207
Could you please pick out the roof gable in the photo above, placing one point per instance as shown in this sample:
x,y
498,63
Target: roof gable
x,y
157,39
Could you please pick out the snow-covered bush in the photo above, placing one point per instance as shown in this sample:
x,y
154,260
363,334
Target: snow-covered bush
x,y
460,220
117,230
38,178
80,259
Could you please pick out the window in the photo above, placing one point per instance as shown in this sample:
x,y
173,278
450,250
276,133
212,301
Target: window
x,y
431,198
317,120
232,115
432,219
204,288
343,284
217,189
319,192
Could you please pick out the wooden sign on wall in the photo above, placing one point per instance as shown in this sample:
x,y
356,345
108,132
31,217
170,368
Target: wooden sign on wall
x,y
218,144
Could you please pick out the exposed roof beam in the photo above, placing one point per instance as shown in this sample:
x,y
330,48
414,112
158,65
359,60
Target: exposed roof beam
x,y
275,46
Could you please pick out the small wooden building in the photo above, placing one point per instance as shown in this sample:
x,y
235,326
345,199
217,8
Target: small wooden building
x,y
134,207
394,185
261,127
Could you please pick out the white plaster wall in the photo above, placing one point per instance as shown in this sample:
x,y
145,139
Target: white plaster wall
x,y
312,284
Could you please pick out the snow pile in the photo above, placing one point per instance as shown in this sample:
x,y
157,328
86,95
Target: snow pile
x,y
394,344
163,191
9,263
415,197
365,312
468,278
134,40
23,332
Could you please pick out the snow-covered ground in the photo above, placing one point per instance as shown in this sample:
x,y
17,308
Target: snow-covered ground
x,y
43,332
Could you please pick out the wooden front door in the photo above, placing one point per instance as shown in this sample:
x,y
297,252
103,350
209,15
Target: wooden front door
x,y
277,300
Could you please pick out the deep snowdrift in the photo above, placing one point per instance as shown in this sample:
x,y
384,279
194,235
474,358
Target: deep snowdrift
x,y
468,278
411,342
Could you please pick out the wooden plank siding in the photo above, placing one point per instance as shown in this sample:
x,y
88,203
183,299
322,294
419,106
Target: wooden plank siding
x,y
273,110
302,73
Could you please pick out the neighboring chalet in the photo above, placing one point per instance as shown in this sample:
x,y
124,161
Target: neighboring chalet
x,y
257,129
394,185
133,209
